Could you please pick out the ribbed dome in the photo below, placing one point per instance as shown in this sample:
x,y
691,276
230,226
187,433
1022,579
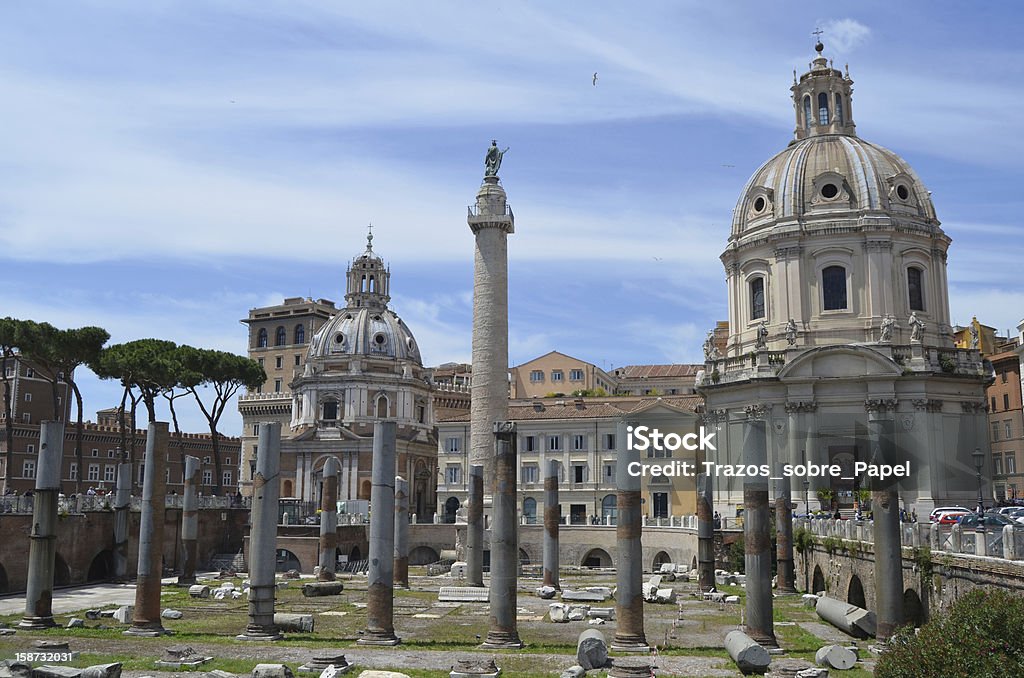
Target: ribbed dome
x,y
823,175
372,332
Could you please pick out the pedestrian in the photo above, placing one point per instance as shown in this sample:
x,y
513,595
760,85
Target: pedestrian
x,y
718,521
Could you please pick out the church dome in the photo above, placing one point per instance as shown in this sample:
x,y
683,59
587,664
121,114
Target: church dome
x,y
362,331
825,174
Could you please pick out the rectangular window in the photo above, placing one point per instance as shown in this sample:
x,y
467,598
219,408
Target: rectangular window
x,y
557,375
225,478
279,362
575,375
207,477
536,375
995,431
277,386
1008,429
997,465
579,473
915,289
28,397
94,472
453,444
833,285
30,449
554,443
28,469
255,429
530,473
579,442
260,361
993,404
298,360
29,372
609,473
27,418
1006,401
609,441
73,471
227,461
530,443
661,504
206,460
108,473
1011,463
1002,375
756,298
453,474
111,454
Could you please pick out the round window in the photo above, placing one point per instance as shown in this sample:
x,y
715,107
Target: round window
x,y
829,191
379,339
759,204
410,343
902,192
339,339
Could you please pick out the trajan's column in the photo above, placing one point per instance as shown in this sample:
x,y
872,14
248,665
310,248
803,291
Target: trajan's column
x,y
491,221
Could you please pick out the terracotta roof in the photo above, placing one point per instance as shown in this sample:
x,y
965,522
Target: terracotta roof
x,y
584,408
656,371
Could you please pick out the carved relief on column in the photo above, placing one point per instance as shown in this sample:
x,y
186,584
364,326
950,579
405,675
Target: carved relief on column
x,y
758,411
927,404
880,405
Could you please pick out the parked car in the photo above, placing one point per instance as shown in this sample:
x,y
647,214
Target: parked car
x,y
950,518
990,519
934,516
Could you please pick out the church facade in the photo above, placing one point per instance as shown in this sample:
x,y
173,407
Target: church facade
x,y
839,316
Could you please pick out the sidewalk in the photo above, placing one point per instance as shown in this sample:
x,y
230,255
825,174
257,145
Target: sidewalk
x,y
92,596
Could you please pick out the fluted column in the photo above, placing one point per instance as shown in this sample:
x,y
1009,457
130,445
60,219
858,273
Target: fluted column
x,y
42,547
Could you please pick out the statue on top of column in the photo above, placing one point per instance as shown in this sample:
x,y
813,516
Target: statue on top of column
x,y
492,161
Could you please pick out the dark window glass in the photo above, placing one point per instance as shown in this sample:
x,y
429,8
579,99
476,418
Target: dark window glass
x,y
756,298
807,113
1006,401
281,337
300,334
261,338
330,410
822,109
839,108
914,289
833,282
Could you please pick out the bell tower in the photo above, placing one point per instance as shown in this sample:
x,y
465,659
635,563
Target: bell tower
x,y
368,279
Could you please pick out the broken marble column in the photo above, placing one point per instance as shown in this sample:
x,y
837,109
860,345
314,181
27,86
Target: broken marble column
x,y
42,549
629,599
835,657
705,534
329,520
502,633
854,620
592,650
757,539
266,493
401,532
475,527
552,517
190,522
146,619
122,507
885,507
380,622
749,655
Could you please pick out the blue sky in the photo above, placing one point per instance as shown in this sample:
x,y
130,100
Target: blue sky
x,y
166,166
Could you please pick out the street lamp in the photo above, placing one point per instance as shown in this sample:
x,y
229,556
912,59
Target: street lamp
x,y
979,463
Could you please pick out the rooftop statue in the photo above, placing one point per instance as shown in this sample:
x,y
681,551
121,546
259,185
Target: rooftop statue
x,y
492,162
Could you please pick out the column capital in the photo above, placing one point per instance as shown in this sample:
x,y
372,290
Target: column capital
x,y
879,405
757,412
928,404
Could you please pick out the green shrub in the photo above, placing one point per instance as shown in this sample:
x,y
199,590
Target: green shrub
x,y
737,560
979,637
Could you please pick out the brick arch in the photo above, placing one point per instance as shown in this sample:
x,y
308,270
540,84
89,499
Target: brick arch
x,y
913,610
855,592
597,557
818,580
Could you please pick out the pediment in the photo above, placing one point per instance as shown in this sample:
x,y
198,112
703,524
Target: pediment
x,y
839,362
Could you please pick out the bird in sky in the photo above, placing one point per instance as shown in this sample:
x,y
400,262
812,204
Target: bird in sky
x,y
595,78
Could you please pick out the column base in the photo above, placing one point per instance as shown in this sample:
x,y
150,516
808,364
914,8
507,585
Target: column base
x,y
767,641
36,623
146,631
379,638
619,646
502,645
185,581
258,633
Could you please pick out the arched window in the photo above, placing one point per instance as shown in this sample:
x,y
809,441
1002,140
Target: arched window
x,y
261,338
822,108
807,112
373,284
300,334
281,338
915,288
757,298
330,410
839,108
530,510
608,505
382,407
833,285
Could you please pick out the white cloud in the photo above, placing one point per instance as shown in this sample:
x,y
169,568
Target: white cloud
x,y
844,35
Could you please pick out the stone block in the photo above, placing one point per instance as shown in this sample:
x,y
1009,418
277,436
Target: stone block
x,y
217,673
171,614
124,614
458,570
578,612
558,613
301,623
666,596
272,670
10,668
603,590
546,592
75,623
92,614
835,657
475,668
47,671
607,613
592,650
812,672
576,671
102,671
382,674
810,600
584,596
732,599
199,591
463,594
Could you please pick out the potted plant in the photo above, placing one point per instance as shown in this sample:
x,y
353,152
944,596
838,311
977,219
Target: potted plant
x,y
825,496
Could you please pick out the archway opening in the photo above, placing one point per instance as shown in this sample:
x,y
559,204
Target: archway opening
x,y
286,560
913,610
855,594
597,558
4,585
423,555
355,554
608,510
693,563
524,558
660,560
451,509
287,489
818,580
102,567
364,490
61,573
